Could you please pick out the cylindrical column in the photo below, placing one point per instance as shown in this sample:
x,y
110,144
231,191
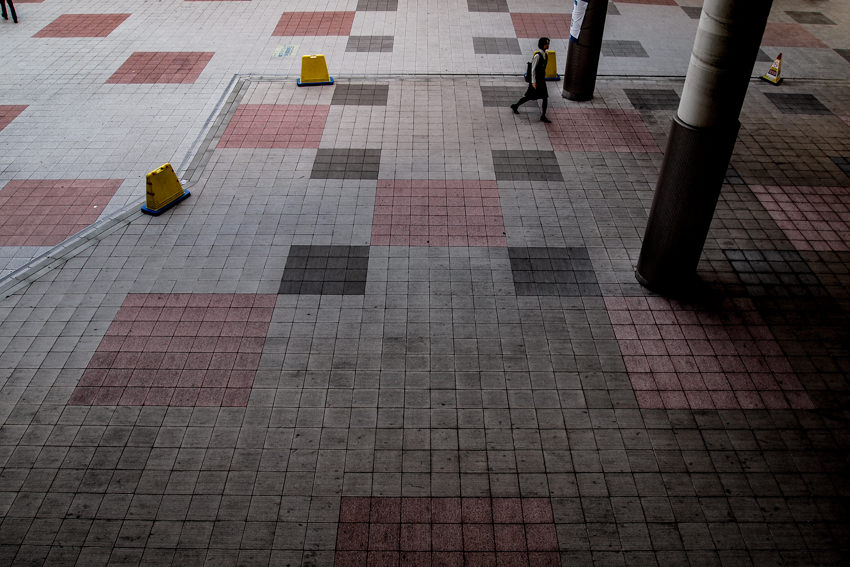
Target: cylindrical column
x,y
588,25
701,142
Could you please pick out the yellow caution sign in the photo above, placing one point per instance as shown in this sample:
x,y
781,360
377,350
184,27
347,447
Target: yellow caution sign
x,y
163,190
773,76
314,71
551,67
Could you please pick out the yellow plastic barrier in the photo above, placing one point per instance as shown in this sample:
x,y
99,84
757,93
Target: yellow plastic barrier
x,y
551,67
314,71
163,190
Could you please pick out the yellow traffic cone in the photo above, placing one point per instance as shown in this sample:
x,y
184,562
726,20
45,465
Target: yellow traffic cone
x,y
772,76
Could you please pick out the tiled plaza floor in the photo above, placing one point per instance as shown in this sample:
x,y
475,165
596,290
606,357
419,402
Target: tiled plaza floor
x,y
395,323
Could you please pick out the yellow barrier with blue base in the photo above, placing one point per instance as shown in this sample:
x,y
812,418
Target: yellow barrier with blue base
x,y
551,67
163,190
314,71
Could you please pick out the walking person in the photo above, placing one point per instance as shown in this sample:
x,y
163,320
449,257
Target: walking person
x,y
537,87
11,9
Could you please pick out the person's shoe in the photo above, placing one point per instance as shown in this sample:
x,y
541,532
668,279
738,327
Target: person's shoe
x,y
546,120
515,108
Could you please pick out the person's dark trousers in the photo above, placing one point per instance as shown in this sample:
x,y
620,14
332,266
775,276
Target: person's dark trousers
x,y
544,104
11,9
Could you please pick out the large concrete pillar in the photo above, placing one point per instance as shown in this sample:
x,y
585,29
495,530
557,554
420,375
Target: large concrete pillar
x,y
586,31
701,141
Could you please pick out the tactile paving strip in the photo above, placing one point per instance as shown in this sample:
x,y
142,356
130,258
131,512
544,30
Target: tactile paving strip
x,y
370,44
162,67
360,94
325,270
346,163
526,165
565,272
82,25
446,531
438,213
44,212
178,350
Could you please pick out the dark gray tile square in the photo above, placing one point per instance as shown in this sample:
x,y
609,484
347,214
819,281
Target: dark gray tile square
x,y
775,273
623,48
487,5
377,5
693,12
762,57
843,163
370,44
653,99
526,165
809,18
346,164
565,272
496,46
501,96
613,10
845,53
797,103
361,95
331,270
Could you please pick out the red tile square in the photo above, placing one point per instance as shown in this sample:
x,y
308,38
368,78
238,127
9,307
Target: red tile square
x,y
507,510
510,537
384,536
352,536
599,130
514,559
314,23
275,126
480,559
542,25
416,510
386,510
789,35
437,213
445,510
415,537
476,510
478,537
82,25
9,112
132,368
739,365
541,537
447,559
162,67
537,510
44,212
813,218
447,537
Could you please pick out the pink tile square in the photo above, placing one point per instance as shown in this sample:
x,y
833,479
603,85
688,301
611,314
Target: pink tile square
x,y
416,510
599,130
476,510
446,510
314,24
352,536
510,537
9,112
161,67
275,126
542,25
82,25
478,537
447,537
813,218
384,536
789,35
415,537
44,212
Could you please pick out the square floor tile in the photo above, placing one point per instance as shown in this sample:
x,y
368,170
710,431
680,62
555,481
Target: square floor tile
x,y
565,272
44,212
275,126
9,112
650,2
789,35
693,12
623,48
437,213
377,5
370,44
843,163
487,5
812,218
526,165
82,25
314,23
797,103
762,57
346,163
653,99
775,273
612,9
496,46
703,356
845,53
599,130
178,350
162,67
478,539
810,18
361,94
541,25
325,270
501,97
